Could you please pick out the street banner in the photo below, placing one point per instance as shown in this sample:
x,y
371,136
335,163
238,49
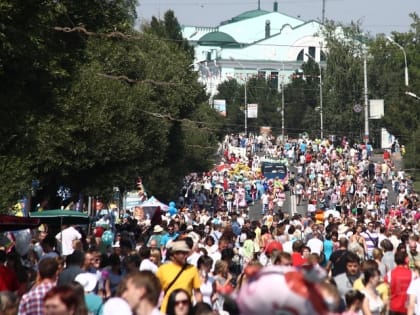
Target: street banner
x,y
220,106
376,109
252,110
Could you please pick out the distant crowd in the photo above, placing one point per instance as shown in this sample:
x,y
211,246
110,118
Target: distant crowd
x,y
355,250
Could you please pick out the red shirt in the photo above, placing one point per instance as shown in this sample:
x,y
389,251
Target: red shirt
x,y
398,279
8,280
297,259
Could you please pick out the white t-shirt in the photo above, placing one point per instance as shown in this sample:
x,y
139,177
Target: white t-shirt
x,y
315,244
66,237
414,288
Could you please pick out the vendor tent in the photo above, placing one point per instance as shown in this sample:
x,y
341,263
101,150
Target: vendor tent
x,y
14,223
152,202
60,217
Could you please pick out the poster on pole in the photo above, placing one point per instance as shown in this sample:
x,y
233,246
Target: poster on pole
x,y
220,106
376,109
252,110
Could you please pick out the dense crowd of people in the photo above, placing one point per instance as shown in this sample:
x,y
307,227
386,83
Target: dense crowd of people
x,y
354,250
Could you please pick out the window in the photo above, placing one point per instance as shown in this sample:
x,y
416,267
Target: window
x,y
312,51
274,79
261,74
300,56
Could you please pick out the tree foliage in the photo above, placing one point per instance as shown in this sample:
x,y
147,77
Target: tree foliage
x,y
94,112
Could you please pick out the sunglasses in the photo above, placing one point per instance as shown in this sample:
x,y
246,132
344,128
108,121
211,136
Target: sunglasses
x,y
183,302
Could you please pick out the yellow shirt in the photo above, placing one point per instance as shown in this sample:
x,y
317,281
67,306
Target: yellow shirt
x,y
188,280
382,288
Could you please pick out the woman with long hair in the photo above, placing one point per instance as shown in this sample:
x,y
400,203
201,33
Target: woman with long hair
x,y
372,304
179,303
221,278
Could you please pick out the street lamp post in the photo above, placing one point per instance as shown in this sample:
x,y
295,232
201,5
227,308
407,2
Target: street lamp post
x,y
282,111
246,106
366,100
321,114
405,58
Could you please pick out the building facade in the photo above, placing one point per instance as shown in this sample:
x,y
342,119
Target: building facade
x,y
254,43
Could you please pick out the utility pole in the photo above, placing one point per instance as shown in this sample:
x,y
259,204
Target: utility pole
x,y
323,12
366,100
282,111
246,107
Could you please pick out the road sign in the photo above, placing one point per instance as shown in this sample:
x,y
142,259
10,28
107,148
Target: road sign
x,y
357,108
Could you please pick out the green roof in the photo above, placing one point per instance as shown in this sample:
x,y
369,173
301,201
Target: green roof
x,y
246,15
217,39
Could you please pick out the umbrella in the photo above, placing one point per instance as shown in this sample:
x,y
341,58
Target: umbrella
x,y
14,223
60,217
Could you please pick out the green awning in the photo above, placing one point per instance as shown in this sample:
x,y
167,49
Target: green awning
x,y
59,217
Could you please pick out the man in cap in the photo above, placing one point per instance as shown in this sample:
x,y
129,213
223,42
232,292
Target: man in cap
x,y
156,236
178,274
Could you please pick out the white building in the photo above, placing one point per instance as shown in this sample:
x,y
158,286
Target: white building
x,y
257,42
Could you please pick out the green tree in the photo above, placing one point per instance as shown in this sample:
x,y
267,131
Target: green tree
x,y
90,111
343,79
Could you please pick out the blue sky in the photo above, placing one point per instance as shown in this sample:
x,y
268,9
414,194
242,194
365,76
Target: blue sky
x,y
377,16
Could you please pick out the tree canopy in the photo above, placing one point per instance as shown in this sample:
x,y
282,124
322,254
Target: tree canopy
x,y
91,104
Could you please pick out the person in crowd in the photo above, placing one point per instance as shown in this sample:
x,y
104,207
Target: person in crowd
x,y
399,280
179,303
61,300
221,279
156,256
74,263
338,260
137,294
357,241
204,265
8,278
48,247
371,239
372,304
131,263
81,306
146,262
93,301
413,253
297,259
169,236
114,275
66,239
328,247
413,292
354,301
9,303
177,274
32,303
388,254
344,281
